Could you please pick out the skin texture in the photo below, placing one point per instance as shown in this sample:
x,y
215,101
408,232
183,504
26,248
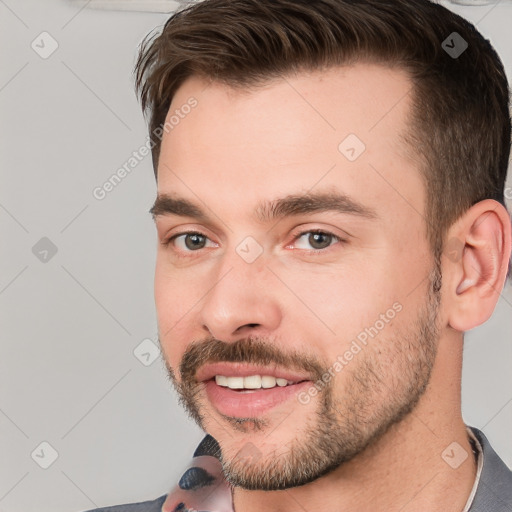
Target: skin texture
x,y
373,438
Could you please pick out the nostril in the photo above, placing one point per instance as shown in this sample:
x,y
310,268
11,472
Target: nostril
x,y
247,326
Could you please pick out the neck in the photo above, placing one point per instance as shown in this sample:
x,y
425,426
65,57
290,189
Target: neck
x,y
403,471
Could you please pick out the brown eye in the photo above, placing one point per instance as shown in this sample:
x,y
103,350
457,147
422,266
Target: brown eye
x,y
194,241
315,240
189,242
320,240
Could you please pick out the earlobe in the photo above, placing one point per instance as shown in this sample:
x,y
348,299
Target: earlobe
x,y
478,276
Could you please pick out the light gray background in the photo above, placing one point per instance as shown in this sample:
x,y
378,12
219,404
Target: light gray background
x,y
70,326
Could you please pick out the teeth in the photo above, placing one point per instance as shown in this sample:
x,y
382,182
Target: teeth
x,y
268,382
251,382
235,382
221,380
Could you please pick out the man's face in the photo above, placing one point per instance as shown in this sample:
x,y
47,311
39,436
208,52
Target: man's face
x,y
309,263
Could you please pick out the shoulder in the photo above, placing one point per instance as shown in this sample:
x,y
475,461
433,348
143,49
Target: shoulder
x,y
145,506
494,492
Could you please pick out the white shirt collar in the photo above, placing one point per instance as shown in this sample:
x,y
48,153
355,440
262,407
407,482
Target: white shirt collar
x,y
480,465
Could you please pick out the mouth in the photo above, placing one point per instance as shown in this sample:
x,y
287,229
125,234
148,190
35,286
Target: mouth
x,y
247,391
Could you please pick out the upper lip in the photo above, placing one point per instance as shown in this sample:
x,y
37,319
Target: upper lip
x,y
209,371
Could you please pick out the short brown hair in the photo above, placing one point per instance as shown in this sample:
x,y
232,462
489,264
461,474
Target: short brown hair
x,y
460,120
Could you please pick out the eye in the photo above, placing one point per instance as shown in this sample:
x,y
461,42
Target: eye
x,y
316,239
189,242
312,241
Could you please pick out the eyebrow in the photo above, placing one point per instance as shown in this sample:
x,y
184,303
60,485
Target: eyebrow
x,y
267,211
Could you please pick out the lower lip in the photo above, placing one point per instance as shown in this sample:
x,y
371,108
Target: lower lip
x,y
249,404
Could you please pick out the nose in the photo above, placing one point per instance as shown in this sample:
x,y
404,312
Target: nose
x,y
241,302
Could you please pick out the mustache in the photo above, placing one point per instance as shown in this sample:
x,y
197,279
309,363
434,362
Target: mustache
x,y
253,350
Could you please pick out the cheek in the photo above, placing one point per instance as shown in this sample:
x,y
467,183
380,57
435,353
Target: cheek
x,y
336,302
174,302
176,292
349,305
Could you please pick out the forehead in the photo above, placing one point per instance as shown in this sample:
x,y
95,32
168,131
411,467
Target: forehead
x,y
341,127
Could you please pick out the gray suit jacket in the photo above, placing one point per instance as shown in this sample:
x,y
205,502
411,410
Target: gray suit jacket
x,y
494,492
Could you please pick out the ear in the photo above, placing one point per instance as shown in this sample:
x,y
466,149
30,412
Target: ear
x,y
475,264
